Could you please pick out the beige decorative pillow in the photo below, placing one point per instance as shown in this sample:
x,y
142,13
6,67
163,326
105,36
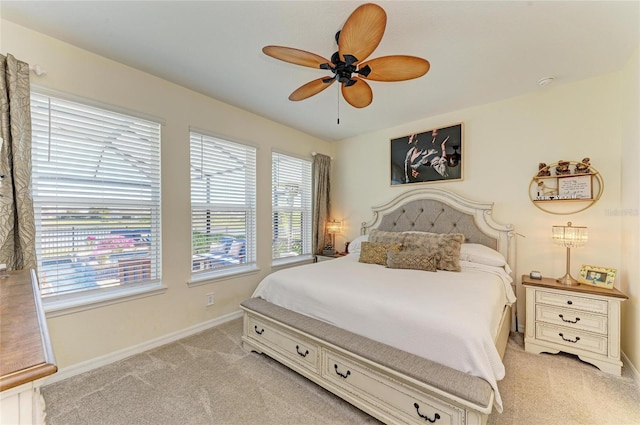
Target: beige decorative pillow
x,y
415,260
422,241
376,253
386,237
446,246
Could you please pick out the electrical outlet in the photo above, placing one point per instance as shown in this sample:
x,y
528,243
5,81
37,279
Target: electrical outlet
x,y
210,299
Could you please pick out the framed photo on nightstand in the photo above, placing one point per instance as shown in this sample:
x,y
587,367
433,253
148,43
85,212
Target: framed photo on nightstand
x,y
602,277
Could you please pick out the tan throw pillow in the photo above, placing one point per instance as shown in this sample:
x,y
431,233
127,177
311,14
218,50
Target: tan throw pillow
x,y
376,253
421,241
449,251
414,260
445,246
386,237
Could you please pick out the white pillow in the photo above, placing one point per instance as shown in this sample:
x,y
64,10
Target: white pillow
x,y
477,253
355,245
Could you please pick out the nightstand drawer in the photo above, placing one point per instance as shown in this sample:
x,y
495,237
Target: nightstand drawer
x,y
575,339
572,318
566,300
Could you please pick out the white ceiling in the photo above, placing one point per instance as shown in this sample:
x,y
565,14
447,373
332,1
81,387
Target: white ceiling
x,y
480,51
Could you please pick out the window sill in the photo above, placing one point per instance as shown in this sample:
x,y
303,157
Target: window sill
x,y
282,263
205,278
73,303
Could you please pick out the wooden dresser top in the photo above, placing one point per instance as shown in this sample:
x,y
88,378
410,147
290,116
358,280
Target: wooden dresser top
x,y
551,283
25,348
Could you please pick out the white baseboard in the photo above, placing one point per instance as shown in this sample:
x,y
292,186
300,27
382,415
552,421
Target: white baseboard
x,y
634,372
88,365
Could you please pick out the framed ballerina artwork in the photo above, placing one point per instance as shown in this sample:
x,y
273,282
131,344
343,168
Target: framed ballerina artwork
x,y
428,157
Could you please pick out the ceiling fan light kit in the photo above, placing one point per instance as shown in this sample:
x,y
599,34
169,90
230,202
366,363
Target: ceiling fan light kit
x,y
359,37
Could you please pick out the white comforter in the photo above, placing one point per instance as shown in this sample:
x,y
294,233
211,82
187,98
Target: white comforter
x,y
448,317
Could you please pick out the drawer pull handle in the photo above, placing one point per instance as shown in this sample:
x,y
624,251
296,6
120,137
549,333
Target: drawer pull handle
x,y
569,320
569,340
569,302
335,366
426,418
255,328
306,352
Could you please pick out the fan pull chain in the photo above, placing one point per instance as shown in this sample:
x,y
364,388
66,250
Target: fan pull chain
x,y
338,105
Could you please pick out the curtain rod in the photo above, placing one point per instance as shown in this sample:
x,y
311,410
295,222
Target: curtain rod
x,y
37,69
315,153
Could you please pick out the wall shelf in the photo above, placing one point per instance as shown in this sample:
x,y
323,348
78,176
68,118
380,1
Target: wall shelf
x,y
566,193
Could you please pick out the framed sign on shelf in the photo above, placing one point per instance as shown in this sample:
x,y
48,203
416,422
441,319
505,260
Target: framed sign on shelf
x,y
575,187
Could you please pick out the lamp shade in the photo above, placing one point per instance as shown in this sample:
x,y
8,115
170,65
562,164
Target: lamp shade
x,y
334,227
569,236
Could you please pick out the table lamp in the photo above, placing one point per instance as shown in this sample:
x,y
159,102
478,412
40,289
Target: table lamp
x,y
334,227
570,237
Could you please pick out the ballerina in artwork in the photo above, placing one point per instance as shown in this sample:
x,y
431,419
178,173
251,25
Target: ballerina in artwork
x,y
425,154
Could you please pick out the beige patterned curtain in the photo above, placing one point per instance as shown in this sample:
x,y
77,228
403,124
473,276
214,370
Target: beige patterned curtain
x,y
17,228
322,201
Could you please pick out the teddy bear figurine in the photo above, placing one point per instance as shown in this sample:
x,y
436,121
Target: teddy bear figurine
x,y
562,168
543,170
582,167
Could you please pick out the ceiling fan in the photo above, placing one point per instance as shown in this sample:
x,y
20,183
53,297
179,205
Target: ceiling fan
x,y
358,38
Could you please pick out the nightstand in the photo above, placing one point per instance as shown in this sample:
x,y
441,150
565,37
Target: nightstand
x,y
583,320
329,257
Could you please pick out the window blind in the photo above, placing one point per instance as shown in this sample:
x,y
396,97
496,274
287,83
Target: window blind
x,y
223,204
291,206
96,193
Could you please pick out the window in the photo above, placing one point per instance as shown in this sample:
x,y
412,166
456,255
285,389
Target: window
x,y
223,205
96,195
291,205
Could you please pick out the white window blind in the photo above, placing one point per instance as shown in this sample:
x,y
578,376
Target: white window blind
x,y
223,204
291,206
96,193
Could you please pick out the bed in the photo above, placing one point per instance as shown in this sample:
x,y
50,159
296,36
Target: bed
x,y
404,345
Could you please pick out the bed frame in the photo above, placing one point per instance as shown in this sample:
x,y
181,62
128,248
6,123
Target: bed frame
x,y
394,386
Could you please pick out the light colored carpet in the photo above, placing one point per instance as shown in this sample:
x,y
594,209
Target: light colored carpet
x,y
559,389
209,379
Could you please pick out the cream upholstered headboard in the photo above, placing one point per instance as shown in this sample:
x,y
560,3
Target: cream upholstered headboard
x,y
439,211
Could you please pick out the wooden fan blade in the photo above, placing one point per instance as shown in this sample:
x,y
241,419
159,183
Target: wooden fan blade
x,y
395,68
362,32
296,56
359,94
311,88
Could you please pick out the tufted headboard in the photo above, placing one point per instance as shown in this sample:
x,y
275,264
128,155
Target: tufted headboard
x,y
440,211
435,217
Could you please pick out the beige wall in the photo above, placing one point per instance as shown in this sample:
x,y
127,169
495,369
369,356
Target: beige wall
x,y
503,144
87,335
630,283
504,141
